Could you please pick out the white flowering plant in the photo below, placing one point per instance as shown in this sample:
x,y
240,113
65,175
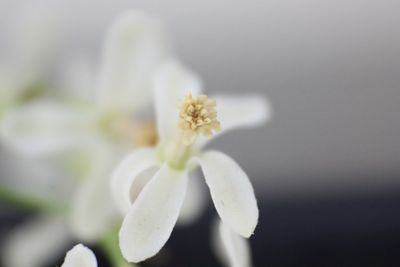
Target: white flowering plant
x,y
130,204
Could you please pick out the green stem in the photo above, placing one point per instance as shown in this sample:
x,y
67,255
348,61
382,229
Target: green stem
x,y
110,246
30,202
178,154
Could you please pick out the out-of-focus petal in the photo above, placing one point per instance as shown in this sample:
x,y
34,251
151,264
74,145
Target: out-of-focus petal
x,y
231,192
150,220
36,180
231,249
128,179
241,111
93,210
45,127
80,256
134,46
173,82
36,243
195,200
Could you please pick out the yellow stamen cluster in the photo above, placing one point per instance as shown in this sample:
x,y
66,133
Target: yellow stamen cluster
x,y
197,115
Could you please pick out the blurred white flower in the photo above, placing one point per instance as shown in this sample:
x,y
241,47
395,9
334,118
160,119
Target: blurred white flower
x,y
152,212
100,127
134,46
230,248
80,256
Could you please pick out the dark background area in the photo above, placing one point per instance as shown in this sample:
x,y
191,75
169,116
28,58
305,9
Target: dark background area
x,y
363,230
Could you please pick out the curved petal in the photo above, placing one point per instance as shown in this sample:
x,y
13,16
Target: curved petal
x,y
93,210
150,220
231,249
80,256
195,201
241,111
172,83
44,127
125,177
134,46
25,246
231,192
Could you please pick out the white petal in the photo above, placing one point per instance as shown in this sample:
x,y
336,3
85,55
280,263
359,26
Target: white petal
x,y
93,210
231,249
127,181
150,220
134,46
172,83
231,192
44,127
80,256
36,243
241,111
195,201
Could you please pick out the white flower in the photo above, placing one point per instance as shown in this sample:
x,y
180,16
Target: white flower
x,y
231,249
80,256
135,45
152,212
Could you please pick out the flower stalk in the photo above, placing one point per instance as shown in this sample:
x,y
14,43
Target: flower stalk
x,y
109,245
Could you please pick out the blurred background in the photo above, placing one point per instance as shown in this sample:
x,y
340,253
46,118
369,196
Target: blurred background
x,y
326,168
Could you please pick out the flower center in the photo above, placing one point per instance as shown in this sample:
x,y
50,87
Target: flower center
x,y
145,134
126,130
197,115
